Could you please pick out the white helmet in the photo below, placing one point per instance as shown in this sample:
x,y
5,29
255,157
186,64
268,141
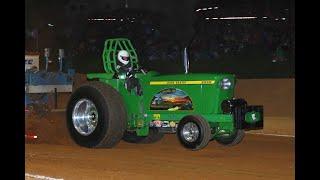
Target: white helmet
x,y
123,57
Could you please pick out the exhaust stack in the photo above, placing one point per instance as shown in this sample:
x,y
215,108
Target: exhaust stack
x,y
185,61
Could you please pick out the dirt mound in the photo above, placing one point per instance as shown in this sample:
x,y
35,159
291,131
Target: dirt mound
x,y
276,95
51,129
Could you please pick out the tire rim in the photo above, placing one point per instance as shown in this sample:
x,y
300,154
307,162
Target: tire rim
x,y
85,117
190,132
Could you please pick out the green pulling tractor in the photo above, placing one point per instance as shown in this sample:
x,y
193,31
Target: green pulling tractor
x,y
197,107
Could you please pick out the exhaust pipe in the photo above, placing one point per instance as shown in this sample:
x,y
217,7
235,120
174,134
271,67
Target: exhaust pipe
x,y
185,60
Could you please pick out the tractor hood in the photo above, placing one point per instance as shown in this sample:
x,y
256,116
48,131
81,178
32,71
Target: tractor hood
x,y
191,78
204,91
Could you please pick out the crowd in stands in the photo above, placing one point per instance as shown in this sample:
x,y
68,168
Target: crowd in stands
x,y
213,40
232,38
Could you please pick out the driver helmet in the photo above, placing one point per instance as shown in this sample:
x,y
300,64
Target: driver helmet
x,y
123,57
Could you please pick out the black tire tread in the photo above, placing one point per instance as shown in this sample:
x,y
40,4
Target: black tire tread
x,y
207,133
205,129
117,114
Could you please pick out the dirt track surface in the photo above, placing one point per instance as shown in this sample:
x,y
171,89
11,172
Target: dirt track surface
x,y
55,155
257,157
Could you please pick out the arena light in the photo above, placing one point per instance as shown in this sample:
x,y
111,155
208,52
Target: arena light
x,y
276,19
209,8
264,17
216,7
102,19
238,18
198,10
231,18
96,19
207,18
283,18
51,25
204,9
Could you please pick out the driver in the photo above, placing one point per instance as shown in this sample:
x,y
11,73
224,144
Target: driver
x,y
124,67
123,61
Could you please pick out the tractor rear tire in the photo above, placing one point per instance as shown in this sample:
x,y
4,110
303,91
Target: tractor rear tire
x,y
153,137
96,116
194,132
233,139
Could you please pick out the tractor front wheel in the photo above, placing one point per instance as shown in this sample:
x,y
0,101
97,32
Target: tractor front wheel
x,y
194,132
232,139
